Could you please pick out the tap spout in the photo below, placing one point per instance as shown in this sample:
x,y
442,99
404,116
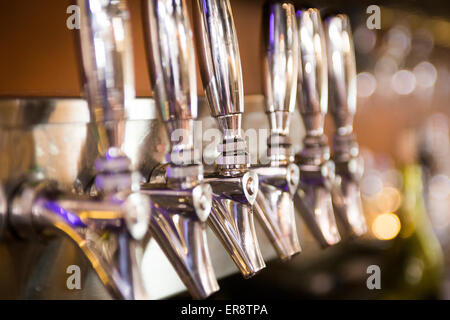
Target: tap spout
x,y
232,220
274,207
178,225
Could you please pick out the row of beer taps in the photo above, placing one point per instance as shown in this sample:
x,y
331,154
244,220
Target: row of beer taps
x,y
307,63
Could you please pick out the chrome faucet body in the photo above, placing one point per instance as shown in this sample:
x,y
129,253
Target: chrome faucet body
x,y
108,233
234,187
342,89
181,201
279,179
313,198
107,227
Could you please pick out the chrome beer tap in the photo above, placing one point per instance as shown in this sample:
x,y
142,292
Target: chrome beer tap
x,y
181,201
107,222
279,178
342,94
234,187
313,198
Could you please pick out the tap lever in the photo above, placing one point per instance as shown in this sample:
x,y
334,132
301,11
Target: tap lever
x,y
312,77
341,72
220,66
281,58
107,64
171,60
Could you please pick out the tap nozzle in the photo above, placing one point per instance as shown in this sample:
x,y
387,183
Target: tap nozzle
x,y
182,203
342,93
234,187
313,198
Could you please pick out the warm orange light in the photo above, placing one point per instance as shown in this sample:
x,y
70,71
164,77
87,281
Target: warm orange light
x,y
386,226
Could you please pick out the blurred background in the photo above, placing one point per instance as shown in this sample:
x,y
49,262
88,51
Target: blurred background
x,y
402,126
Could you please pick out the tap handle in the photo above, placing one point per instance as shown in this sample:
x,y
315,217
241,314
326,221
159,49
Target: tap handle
x,y
220,62
106,58
312,91
281,58
171,57
341,72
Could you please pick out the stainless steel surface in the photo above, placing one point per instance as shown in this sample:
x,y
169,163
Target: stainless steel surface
x,y
313,199
342,89
234,188
279,178
182,204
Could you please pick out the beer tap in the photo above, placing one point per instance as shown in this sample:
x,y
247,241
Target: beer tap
x,y
313,198
234,186
342,94
110,219
181,201
279,178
